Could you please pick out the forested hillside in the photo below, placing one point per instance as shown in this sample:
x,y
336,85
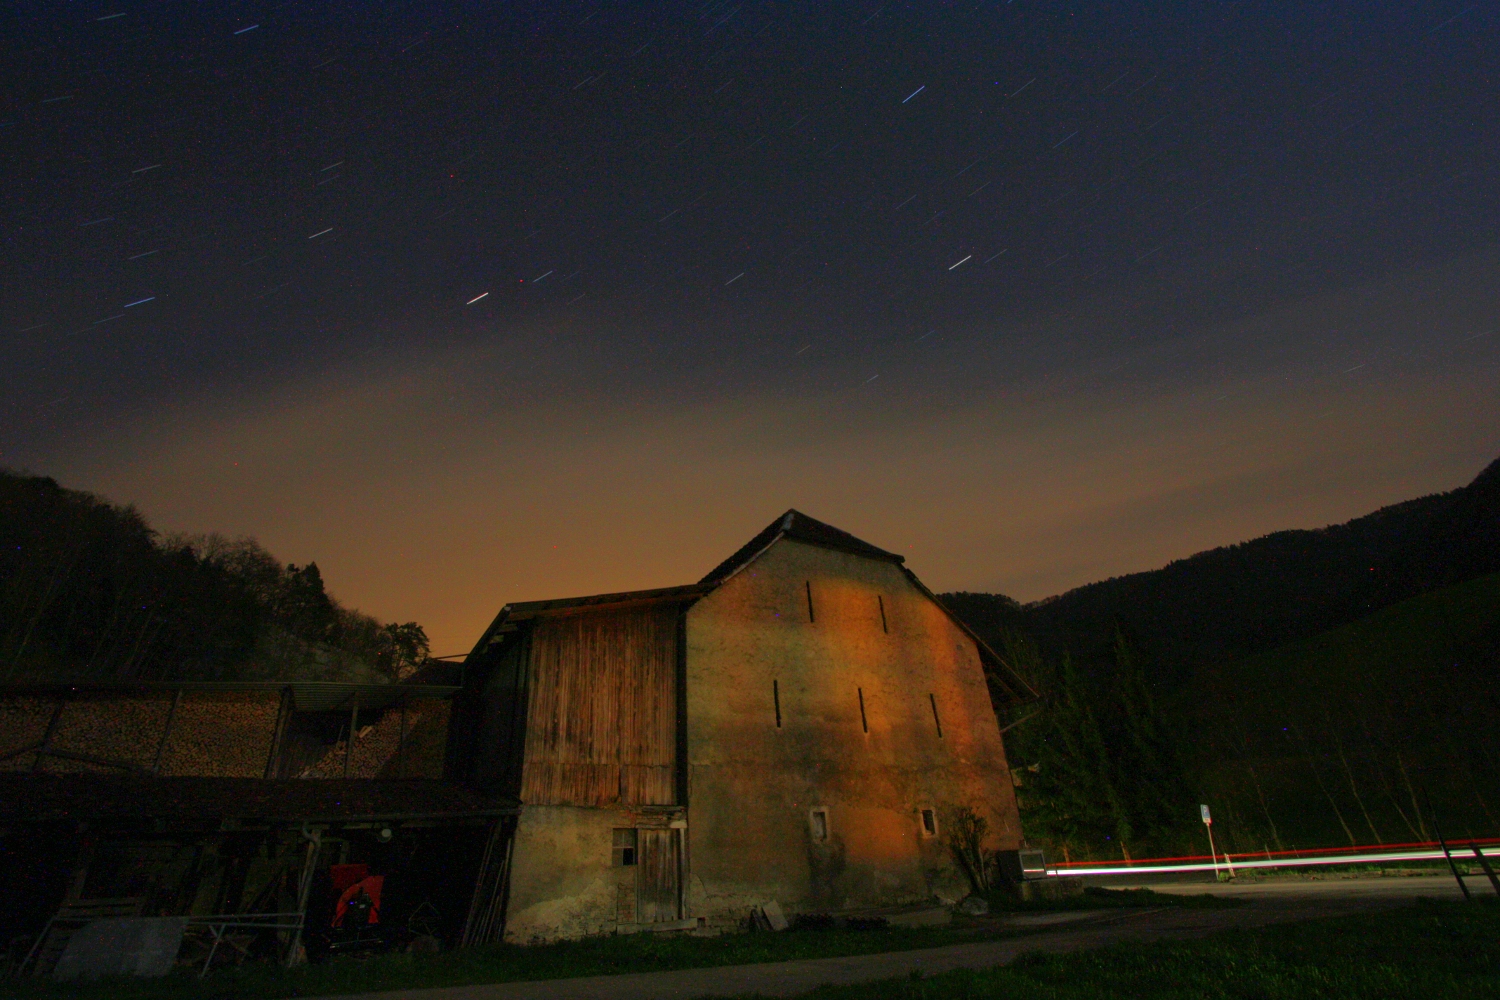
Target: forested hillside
x,y
1257,595
89,591
1340,737
1314,683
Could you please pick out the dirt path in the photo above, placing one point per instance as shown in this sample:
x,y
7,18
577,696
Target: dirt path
x,y
1073,932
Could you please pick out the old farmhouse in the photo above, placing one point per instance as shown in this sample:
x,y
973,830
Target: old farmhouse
x,y
796,727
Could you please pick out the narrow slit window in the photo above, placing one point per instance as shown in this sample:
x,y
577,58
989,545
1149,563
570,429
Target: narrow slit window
x,y
881,601
929,823
776,699
819,821
623,851
810,616
863,721
932,700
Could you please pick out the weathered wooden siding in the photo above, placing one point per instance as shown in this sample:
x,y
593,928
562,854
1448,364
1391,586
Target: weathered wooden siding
x,y
658,876
602,709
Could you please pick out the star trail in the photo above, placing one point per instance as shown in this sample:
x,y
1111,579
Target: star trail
x,y
475,280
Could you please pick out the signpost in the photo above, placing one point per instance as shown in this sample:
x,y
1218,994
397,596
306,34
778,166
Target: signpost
x,y
1208,824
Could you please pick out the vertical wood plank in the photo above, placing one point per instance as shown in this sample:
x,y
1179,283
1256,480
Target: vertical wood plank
x,y
602,712
657,876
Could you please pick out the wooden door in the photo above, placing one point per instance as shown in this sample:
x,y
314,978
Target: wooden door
x,y
659,876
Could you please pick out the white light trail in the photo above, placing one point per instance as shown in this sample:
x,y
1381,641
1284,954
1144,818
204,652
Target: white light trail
x,y
1342,859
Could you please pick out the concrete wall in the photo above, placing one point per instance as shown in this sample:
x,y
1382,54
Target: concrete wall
x,y
752,784
562,883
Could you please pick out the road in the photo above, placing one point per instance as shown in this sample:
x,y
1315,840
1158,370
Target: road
x,y
1269,902
1337,890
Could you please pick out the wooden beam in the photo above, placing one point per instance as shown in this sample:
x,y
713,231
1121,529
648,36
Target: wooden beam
x,y
294,951
353,728
278,734
123,765
36,765
23,751
166,731
401,744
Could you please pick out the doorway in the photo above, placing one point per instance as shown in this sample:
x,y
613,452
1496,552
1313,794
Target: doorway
x,y
658,885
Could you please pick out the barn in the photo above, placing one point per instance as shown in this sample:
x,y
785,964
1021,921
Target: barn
x,y
797,727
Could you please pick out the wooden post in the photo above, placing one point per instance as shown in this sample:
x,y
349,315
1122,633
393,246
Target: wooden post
x,y
1446,853
477,901
353,726
166,732
278,732
401,744
1485,864
304,889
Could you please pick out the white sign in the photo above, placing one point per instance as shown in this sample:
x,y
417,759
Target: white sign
x,y
1207,819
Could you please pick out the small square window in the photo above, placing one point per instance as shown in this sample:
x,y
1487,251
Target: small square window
x,y
929,823
819,821
623,851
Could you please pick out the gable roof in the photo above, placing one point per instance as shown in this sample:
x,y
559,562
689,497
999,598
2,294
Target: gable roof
x,y
794,525
998,670
799,527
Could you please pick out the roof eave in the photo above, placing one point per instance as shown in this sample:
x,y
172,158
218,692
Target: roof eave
x,y
1016,686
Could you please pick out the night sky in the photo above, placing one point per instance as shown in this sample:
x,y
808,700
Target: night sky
x,y
488,302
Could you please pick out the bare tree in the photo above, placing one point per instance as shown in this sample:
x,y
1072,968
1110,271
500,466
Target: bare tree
x,y
966,830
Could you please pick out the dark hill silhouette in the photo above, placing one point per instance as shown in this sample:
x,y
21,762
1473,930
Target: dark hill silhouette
x,y
89,591
1306,683
1254,596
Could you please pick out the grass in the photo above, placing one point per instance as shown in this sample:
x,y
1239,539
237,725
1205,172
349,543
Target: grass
x,y
596,956
1430,951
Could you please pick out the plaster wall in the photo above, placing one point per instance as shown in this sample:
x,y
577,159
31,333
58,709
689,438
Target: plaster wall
x,y
753,784
562,882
